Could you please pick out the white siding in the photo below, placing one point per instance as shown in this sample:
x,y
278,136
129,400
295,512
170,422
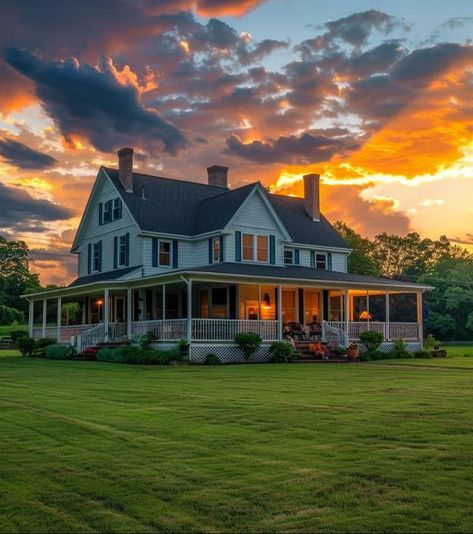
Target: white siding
x,y
339,262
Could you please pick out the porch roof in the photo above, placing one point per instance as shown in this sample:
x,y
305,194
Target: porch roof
x,y
105,276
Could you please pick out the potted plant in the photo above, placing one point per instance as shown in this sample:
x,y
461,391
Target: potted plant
x,y
183,346
340,351
353,352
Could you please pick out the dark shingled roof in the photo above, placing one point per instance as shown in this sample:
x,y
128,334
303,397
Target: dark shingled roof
x,y
102,277
191,208
297,272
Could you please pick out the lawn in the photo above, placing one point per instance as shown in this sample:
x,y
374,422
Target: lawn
x,y
109,447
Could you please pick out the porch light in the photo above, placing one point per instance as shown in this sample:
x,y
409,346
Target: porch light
x,y
266,301
365,315
99,302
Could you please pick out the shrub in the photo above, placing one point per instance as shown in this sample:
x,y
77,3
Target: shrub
x,y
372,355
59,352
430,343
248,343
400,350
147,340
42,344
212,359
425,354
138,356
10,315
372,340
282,351
183,345
16,334
26,345
111,355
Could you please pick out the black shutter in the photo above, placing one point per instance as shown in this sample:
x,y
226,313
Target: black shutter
x,y
329,261
100,213
175,252
120,208
100,256
237,246
272,249
301,306
222,252
89,258
297,257
154,252
127,249
312,258
115,252
210,251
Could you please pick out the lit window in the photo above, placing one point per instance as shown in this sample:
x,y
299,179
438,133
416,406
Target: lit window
x,y
165,253
122,250
248,252
262,252
288,257
321,261
216,249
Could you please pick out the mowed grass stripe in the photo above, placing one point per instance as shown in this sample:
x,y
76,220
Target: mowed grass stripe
x,y
94,447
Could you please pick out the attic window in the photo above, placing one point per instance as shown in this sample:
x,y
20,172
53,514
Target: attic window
x,y
142,193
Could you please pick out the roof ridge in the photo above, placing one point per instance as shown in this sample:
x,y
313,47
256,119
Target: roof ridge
x,y
229,191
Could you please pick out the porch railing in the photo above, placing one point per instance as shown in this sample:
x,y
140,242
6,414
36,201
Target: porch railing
x,y
390,331
226,329
165,330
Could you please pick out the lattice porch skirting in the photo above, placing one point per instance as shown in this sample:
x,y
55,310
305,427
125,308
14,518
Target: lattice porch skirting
x,y
388,346
226,353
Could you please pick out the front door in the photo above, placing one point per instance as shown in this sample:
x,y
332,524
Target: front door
x,y
120,310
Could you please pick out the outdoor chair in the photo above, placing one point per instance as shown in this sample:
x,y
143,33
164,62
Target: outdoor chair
x,y
296,330
315,330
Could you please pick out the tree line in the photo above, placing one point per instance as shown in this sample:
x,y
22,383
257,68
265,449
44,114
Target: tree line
x,y
448,308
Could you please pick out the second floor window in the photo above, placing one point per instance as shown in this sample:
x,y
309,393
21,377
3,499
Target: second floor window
x,y
96,257
262,248
248,246
320,261
117,209
289,257
107,211
165,253
216,249
122,250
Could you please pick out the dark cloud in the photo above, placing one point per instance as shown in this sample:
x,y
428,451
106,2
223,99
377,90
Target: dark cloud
x,y
304,149
88,102
18,208
226,7
24,157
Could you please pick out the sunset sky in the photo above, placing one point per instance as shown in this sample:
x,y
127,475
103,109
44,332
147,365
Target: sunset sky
x,y
376,96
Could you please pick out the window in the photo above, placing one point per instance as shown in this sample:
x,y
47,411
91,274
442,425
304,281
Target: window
x,y
262,250
165,253
248,252
117,209
96,257
107,211
320,261
216,249
288,257
122,250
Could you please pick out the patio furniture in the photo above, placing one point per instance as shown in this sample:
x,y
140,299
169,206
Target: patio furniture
x,y
315,330
296,330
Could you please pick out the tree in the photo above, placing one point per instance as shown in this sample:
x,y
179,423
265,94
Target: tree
x,y
360,261
15,276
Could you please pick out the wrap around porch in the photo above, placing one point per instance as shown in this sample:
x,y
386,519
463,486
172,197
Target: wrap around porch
x,y
219,310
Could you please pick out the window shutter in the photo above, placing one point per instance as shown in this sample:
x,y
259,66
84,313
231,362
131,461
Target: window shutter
x,y
89,258
296,256
154,252
175,251
222,252
272,249
210,251
237,246
329,261
120,208
312,258
115,252
127,249
100,213
100,256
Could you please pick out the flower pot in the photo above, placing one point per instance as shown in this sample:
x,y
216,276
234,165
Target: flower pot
x,y
353,354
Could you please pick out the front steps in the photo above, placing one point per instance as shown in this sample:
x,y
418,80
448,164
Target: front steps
x,y
306,356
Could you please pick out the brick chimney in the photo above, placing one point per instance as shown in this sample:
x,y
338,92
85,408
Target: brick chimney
x,y
125,168
312,196
218,176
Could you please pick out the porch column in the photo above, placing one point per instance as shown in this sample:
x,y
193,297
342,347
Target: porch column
x,y
129,311
420,320
164,301
45,313
279,313
106,312
387,328
345,316
59,310
30,317
259,302
189,311
368,307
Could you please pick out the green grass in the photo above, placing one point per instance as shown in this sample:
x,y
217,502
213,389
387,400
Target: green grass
x,y
90,446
